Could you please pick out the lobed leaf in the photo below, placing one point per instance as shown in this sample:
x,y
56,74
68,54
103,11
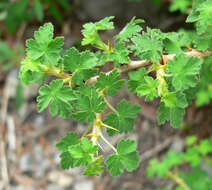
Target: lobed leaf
x,y
58,97
184,70
126,157
110,82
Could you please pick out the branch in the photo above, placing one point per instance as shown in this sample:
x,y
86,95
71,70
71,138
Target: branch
x,y
178,180
143,63
131,66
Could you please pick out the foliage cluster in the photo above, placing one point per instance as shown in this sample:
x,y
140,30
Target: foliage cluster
x,y
198,156
177,62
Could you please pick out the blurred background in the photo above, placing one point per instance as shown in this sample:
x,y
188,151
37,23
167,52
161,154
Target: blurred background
x,y
29,159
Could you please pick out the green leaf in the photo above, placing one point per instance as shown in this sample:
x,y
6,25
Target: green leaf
x,y
88,105
181,5
174,41
191,140
30,71
126,157
95,167
204,92
130,30
58,97
81,75
124,121
69,140
44,47
127,114
148,88
192,156
173,114
169,99
156,167
90,30
204,147
149,45
136,77
171,159
67,161
174,99
110,82
184,70
112,120
83,152
202,14
120,54
75,60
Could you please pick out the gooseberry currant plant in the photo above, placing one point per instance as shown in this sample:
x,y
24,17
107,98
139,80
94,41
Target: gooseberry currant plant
x,y
180,68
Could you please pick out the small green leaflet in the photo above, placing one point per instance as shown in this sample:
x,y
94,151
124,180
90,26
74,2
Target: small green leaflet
x,y
171,159
190,140
81,64
192,156
181,5
202,14
78,151
184,70
173,114
204,147
30,71
204,93
110,82
88,105
124,121
69,140
83,152
130,30
142,84
149,45
90,30
81,75
174,41
58,97
172,99
148,88
44,47
75,60
94,167
136,77
126,157
120,54
67,160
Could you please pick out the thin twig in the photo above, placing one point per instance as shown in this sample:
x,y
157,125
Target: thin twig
x,y
143,63
178,180
131,66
